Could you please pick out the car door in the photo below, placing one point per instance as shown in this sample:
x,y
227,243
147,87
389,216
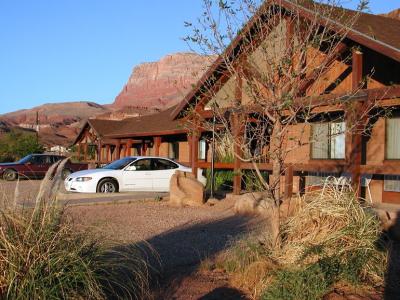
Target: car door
x,y
40,165
138,176
163,171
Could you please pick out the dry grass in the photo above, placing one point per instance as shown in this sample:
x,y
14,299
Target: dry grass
x,y
331,239
43,257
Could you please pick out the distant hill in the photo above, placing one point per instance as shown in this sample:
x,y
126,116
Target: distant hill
x,y
151,87
395,14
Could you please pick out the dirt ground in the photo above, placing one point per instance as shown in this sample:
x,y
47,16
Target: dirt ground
x,y
182,237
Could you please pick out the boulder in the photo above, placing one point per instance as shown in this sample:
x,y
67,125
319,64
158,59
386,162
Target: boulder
x,y
185,189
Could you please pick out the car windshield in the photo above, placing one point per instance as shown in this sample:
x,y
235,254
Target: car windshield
x,y
120,164
25,159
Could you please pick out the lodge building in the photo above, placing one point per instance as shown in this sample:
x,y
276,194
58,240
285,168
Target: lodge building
x,y
372,162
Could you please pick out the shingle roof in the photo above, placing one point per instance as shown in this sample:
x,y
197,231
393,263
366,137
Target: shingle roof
x,y
148,125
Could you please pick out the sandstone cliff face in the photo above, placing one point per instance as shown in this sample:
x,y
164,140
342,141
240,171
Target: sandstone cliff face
x,y
164,83
395,14
151,87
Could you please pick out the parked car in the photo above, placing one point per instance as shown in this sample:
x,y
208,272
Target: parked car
x,y
36,166
139,173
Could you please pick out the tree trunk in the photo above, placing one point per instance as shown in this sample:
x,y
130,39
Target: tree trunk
x,y
277,167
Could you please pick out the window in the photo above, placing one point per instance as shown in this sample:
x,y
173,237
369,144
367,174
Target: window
x,y
173,150
392,183
143,165
163,164
202,149
328,140
393,138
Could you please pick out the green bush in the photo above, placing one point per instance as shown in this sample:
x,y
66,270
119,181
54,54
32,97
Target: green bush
x,y
223,179
15,145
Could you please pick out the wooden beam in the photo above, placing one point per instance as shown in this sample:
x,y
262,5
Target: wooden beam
x,y
317,73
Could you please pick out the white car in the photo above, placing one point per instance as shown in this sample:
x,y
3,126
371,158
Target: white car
x,y
139,173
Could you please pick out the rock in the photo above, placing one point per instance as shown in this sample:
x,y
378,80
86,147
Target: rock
x,y
212,201
185,189
259,203
163,83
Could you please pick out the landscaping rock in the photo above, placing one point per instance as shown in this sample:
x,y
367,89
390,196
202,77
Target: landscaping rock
x,y
185,189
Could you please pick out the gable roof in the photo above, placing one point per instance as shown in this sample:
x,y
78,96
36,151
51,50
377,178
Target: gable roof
x,y
148,125
376,32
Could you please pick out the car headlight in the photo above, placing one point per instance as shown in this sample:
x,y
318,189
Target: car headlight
x,y
83,179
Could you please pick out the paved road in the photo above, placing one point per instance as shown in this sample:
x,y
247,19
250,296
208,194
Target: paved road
x,y
25,192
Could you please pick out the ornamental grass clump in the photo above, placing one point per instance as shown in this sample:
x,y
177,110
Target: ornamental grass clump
x,y
330,240
43,257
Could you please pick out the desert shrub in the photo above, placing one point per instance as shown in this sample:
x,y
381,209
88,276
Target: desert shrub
x,y
252,181
331,239
43,257
223,179
15,145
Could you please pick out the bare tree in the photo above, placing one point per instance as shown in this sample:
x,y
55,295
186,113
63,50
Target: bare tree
x,y
278,60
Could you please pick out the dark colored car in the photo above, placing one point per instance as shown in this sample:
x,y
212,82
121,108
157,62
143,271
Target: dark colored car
x,y
36,166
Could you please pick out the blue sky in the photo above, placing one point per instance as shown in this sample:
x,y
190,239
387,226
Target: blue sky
x,y
72,50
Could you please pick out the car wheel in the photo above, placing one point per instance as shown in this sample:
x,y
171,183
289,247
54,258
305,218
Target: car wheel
x,y
107,186
10,175
65,173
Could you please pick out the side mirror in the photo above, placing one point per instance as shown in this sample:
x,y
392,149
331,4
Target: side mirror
x,y
131,168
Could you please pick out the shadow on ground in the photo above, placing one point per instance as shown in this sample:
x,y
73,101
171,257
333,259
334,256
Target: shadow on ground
x,y
181,250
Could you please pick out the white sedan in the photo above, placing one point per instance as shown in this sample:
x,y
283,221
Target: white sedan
x,y
140,173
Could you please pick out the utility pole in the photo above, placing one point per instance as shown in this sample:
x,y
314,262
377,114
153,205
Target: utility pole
x,y
37,126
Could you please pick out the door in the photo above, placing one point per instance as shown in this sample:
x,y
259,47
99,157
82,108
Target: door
x,y
163,171
138,176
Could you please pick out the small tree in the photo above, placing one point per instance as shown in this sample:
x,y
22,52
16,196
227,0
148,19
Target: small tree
x,y
280,63
15,145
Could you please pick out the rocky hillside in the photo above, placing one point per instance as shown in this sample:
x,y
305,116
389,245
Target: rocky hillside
x,y
151,87
164,83
395,14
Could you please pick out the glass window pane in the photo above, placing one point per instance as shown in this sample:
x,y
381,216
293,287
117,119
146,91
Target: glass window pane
x,y
393,138
392,183
319,141
338,140
202,149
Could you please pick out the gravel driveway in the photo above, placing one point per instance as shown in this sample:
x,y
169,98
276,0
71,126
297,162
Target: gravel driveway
x,y
181,236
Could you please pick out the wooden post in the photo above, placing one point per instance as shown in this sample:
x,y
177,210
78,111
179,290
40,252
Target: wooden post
x,y
108,153
144,148
99,151
79,151
189,140
85,152
128,148
195,152
288,182
157,144
237,128
354,138
117,150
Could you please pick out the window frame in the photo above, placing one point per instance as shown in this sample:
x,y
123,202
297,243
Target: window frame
x,y
329,141
387,139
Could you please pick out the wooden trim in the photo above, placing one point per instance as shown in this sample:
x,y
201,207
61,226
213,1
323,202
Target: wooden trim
x,y
157,144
